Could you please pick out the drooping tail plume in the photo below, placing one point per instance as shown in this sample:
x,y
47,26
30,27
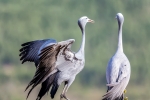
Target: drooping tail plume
x,y
116,92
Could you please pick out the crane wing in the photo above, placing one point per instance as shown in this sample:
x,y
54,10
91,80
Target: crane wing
x,y
50,57
30,50
55,54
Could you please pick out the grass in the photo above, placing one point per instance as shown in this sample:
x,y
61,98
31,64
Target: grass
x,y
15,80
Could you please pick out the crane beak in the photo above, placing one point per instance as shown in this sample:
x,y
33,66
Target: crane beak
x,y
91,21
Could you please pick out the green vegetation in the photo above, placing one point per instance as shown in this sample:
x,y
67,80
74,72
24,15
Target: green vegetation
x,y
26,20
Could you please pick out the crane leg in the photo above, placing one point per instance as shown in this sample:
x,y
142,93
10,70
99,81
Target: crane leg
x,y
63,94
67,85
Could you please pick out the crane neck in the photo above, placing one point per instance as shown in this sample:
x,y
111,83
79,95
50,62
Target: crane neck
x,y
81,50
120,45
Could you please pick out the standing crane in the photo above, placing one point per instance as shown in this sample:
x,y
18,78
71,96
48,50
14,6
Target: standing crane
x,y
55,62
118,69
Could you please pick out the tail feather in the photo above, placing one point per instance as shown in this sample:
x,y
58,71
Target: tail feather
x,y
38,78
54,87
35,83
121,98
46,86
54,90
116,92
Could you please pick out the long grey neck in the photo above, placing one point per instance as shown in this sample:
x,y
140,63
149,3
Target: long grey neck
x,y
120,46
81,50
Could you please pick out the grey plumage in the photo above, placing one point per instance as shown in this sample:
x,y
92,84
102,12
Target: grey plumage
x,y
118,69
56,63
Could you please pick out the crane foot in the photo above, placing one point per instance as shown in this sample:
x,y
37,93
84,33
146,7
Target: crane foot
x,y
63,96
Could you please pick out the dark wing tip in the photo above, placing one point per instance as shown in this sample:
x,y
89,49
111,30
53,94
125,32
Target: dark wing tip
x,y
27,43
55,86
38,98
54,90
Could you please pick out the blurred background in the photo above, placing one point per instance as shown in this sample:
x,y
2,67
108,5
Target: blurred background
x,y
26,20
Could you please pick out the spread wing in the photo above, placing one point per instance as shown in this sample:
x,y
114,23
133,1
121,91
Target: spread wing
x,y
30,50
50,56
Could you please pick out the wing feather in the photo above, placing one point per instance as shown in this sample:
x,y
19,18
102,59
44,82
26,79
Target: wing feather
x,y
117,90
47,62
30,50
